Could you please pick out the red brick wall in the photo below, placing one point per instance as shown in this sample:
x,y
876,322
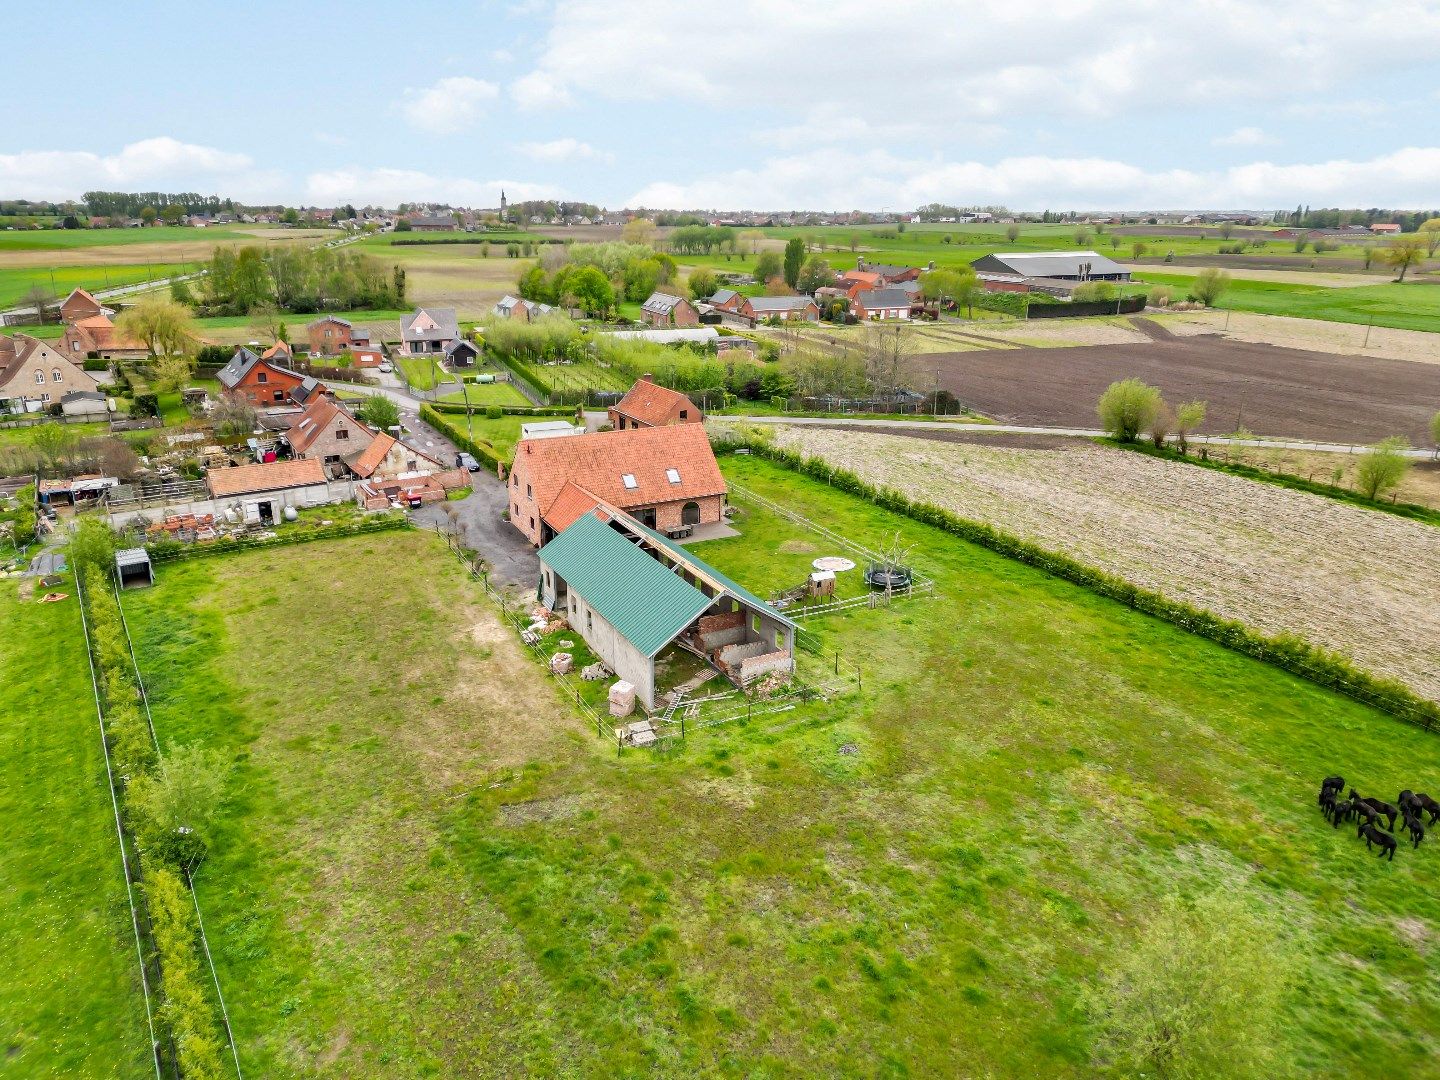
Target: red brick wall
x,y
262,395
338,338
667,515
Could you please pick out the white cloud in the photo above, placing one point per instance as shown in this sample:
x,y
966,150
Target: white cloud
x,y
831,179
449,106
981,61
538,90
387,187
1243,136
162,161
566,149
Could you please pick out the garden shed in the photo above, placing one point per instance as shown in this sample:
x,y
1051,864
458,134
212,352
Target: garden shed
x,y
132,567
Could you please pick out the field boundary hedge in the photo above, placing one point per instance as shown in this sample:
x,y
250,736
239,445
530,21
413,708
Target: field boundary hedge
x,y
506,410
1413,511
1290,652
176,551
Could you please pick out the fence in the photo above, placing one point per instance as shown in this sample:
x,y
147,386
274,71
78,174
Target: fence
x,y
175,551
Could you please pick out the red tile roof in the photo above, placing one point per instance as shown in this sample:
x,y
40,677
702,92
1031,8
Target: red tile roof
x,y
654,405
278,349
369,459
598,463
319,414
573,503
273,476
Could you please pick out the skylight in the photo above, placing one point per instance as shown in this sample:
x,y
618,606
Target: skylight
x,y
673,475
628,479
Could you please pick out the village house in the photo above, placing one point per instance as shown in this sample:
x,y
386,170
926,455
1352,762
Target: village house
x,y
727,300
426,331
630,593
1385,227
81,305
33,375
888,274
785,308
326,432
95,334
662,309
514,307
666,476
647,404
881,304
331,335
263,383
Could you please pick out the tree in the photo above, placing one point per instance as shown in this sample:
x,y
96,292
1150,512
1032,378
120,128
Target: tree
x,y
1093,290
1435,431
955,286
1405,252
1208,285
403,225
1012,233
176,804
1369,252
1227,230
180,292
1198,994
767,266
173,214
1127,408
816,274
750,240
148,215
1189,415
1430,230
42,301
701,284
170,373
1160,425
379,412
1138,248
592,291
1082,237
1381,468
163,325
93,543
794,257
639,231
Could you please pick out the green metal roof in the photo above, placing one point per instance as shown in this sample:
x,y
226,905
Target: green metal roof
x,y
729,584
646,601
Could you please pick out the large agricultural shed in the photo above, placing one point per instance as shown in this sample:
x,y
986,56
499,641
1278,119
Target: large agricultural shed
x,y
630,592
1055,265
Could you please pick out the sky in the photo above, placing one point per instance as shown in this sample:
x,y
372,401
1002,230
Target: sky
x,y
749,104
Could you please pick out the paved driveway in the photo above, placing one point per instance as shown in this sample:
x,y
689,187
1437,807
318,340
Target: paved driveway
x,y
512,560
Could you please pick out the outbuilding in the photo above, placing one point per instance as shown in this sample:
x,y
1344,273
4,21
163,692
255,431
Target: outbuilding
x,y
132,567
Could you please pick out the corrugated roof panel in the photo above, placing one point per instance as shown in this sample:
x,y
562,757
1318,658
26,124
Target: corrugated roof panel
x,y
647,602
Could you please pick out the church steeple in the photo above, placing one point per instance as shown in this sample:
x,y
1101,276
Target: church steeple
x,y
502,204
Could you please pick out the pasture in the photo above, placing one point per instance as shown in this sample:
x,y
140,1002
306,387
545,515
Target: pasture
x,y
1409,306
429,866
70,1002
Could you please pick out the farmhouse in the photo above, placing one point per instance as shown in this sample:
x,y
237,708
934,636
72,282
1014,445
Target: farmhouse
x,y
665,476
786,308
629,592
889,275
81,305
726,300
647,404
259,381
881,304
662,309
96,334
331,335
428,330
1058,265
33,375
325,432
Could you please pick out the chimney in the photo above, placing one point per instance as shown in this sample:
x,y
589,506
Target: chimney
x,y
647,377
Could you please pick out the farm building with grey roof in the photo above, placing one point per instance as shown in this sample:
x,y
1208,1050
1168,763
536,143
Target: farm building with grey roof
x,y
1056,265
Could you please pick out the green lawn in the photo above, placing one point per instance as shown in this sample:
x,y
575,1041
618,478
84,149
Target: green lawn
x,y
502,433
70,1001
430,867
480,394
1410,306
421,372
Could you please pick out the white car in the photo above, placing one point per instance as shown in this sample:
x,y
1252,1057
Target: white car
x,y
386,366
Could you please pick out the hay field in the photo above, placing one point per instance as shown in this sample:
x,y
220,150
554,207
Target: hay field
x,y
172,246
1355,581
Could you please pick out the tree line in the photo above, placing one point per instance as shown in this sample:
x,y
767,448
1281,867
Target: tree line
x,y
130,203
301,280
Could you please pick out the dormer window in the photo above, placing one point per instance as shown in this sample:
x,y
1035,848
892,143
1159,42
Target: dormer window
x,y
673,475
628,479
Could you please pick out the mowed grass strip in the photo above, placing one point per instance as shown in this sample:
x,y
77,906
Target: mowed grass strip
x,y
430,866
70,1001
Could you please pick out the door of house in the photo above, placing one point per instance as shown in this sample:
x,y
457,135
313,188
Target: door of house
x,y
646,517
690,514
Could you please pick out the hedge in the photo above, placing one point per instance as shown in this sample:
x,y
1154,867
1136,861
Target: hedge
x,y
482,452
521,374
1287,651
176,551
1414,511
506,410
185,1010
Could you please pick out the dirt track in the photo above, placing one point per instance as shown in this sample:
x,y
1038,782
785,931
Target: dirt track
x,y
1267,389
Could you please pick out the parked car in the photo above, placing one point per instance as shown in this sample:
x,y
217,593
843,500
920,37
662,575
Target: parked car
x,y
466,461
386,366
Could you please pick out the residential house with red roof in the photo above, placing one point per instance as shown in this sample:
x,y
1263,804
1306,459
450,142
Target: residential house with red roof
x,y
263,383
648,404
344,445
95,334
331,335
80,305
667,477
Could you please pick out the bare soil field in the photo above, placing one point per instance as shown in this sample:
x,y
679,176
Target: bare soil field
x,y
460,279
1314,334
167,251
1264,388
1356,581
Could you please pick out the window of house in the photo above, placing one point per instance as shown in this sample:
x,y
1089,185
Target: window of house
x,y
589,619
262,377
44,397
628,479
529,494
39,377
55,374
279,395
684,414
673,475
342,433
532,524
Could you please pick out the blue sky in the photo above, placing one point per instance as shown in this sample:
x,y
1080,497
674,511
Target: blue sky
x,y
766,104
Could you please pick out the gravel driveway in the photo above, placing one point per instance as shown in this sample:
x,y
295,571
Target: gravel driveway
x,y
512,560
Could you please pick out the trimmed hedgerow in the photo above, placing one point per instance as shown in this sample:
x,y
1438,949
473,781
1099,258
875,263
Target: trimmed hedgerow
x,y
185,1009
1287,651
482,452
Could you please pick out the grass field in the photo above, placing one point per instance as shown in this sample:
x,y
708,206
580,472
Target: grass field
x,y
1410,306
421,372
428,867
481,394
70,1002
16,282
72,240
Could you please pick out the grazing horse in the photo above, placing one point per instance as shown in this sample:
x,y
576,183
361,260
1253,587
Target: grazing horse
x,y
1423,802
1329,784
1406,802
1363,813
1378,836
1384,809
1417,829
1327,802
1341,812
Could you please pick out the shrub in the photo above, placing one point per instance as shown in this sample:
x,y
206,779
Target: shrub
x,y
145,405
185,1011
494,412
1382,467
1128,407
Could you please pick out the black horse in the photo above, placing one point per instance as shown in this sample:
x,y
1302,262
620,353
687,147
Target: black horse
x,y
1364,813
1378,836
1384,809
1417,830
1424,802
1327,803
1334,784
1341,811
1406,802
